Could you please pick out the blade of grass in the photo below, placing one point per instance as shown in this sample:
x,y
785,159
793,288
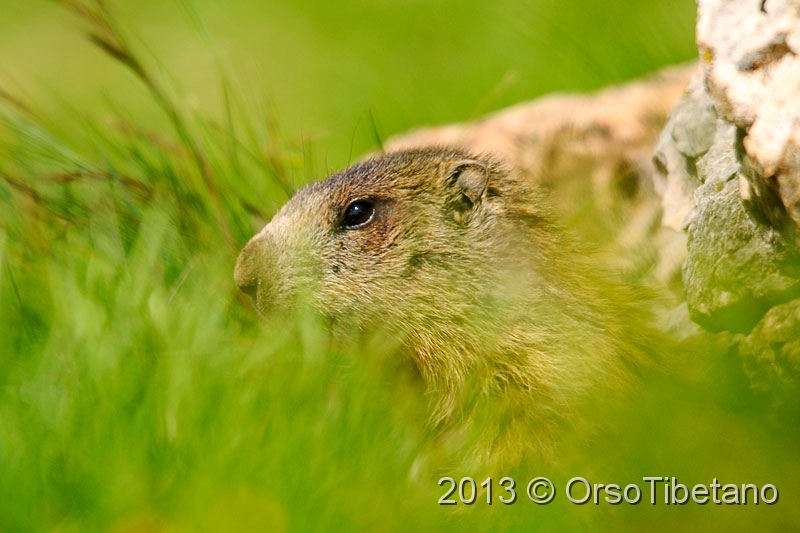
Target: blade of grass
x,y
104,33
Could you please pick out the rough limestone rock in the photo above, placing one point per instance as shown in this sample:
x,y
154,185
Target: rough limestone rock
x,y
737,267
749,52
771,353
729,165
689,130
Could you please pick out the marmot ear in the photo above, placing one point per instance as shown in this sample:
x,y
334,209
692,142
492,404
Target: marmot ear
x,y
470,178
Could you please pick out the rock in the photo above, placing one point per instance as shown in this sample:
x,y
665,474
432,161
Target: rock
x,y
749,54
771,353
689,133
736,267
729,165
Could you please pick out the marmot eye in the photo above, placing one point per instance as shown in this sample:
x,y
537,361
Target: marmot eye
x,y
358,213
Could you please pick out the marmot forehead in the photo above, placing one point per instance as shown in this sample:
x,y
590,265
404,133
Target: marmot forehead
x,y
380,175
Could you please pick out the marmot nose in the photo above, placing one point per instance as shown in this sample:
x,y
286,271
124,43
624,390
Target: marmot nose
x,y
245,274
249,287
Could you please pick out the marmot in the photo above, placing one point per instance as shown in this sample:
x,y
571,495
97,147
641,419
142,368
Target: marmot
x,y
509,325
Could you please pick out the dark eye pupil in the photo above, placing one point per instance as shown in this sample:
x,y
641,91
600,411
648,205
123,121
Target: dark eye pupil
x,y
358,213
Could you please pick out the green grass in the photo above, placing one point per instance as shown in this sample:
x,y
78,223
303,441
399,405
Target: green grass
x,y
139,391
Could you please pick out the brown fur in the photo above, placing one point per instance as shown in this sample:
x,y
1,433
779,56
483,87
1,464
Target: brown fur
x,y
511,328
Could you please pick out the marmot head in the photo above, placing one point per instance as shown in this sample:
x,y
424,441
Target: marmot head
x,y
407,238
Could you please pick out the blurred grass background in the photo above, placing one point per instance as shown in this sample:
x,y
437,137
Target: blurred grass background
x,y
138,390
325,67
